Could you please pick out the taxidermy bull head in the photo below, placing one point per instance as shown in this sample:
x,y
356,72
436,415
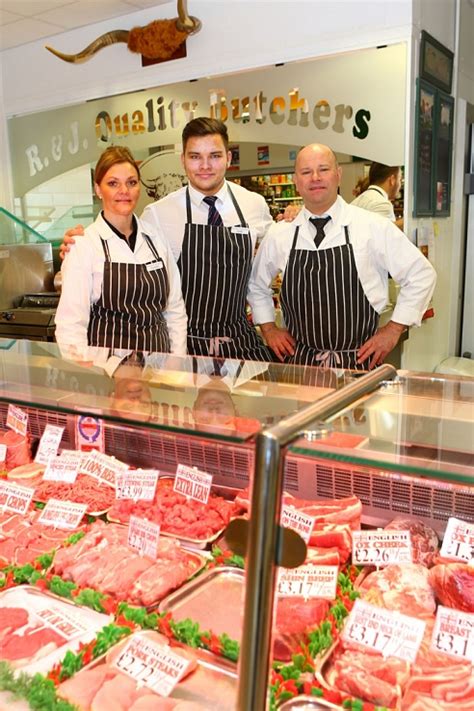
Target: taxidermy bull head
x,y
157,40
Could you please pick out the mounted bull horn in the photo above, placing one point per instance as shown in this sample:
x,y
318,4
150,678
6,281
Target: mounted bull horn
x,y
157,40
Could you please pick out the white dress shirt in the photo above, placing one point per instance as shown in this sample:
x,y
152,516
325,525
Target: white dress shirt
x,y
168,215
82,276
380,249
376,200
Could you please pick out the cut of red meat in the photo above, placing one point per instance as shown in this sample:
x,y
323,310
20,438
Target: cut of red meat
x,y
333,536
323,556
424,539
363,685
453,584
26,646
11,619
294,617
18,448
400,587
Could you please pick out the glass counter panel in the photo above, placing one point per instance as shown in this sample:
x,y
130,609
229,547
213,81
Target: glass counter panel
x,y
229,400
417,424
15,231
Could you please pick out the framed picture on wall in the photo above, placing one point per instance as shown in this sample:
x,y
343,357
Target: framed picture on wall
x,y
444,149
424,149
436,62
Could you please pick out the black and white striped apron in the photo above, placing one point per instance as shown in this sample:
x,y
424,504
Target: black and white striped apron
x,y
215,265
129,312
325,307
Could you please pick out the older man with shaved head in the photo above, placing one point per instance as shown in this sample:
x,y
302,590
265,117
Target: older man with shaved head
x,y
335,260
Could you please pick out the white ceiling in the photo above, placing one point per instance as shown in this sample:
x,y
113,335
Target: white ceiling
x,y
23,21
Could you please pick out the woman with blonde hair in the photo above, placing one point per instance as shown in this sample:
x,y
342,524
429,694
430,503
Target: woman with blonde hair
x,y
121,286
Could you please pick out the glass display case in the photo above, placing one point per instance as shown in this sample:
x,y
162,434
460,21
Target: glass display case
x,y
406,448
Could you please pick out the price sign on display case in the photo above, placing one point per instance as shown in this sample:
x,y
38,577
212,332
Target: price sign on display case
x,y
308,581
458,541
61,623
193,483
49,444
102,467
381,547
152,665
143,535
14,497
64,468
136,484
62,514
17,420
297,521
3,453
453,633
390,633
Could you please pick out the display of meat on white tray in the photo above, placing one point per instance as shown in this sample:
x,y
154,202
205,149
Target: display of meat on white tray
x,y
208,598
104,561
196,524
37,629
101,686
85,490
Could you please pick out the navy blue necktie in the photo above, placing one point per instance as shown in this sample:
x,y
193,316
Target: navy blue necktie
x,y
214,217
319,223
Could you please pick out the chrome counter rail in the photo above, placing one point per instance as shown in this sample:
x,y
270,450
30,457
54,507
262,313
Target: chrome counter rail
x,y
264,545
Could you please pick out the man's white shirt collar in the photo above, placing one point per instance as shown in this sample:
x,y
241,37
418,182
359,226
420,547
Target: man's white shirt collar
x,y
197,197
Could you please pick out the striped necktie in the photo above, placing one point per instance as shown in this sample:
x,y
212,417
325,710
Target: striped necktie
x,y
319,223
213,217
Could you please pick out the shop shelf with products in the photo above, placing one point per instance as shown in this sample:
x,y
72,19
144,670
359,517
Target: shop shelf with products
x,y
278,189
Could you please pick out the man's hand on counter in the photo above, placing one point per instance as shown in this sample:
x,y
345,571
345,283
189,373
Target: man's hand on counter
x,y
68,238
278,339
381,343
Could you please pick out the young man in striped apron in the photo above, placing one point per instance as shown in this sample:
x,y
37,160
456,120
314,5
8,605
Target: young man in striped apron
x,y
212,227
335,260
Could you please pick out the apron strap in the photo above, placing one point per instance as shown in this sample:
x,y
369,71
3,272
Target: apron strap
x,y
189,214
152,247
346,234
237,208
106,249
295,239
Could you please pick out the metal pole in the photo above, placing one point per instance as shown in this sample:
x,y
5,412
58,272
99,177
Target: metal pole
x,y
263,535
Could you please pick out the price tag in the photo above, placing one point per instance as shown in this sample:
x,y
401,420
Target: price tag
x,y
102,467
49,443
151,664
14,497
64,468
17,420
453,633
381,547
136,484
3,453
193,483
62,514
308,581
297,521
62,623
458,541
391,633
143,535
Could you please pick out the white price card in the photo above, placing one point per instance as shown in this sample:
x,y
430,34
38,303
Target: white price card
x,y
453,633
143,535
62,514
381,547
14,497
152,665
65,467
388,632
65,625
17,420
3,453
458,541
193,483
49,443
308,581
136,484
102,467
297,521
